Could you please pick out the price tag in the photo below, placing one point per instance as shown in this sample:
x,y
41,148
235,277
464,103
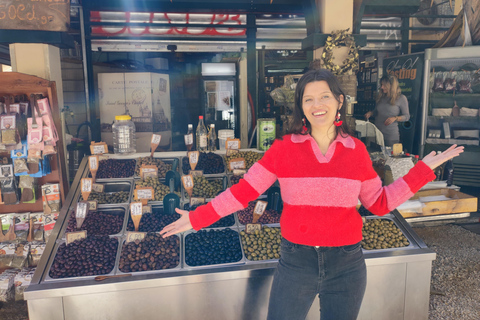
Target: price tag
x,y
144,194
237,163
148,171
193,159
72,236
97,187
132,236
86,187
81,213
187,181
231,152
156,138
188,141
259,209
239,172
232,144
136,213
92,205
98,148
196,173
252,227
195,201
146,209
93,162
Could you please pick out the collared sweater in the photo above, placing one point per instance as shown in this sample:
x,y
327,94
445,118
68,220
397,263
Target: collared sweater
x,y
319,192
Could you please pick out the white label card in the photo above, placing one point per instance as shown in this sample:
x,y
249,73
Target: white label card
x,y
238,163
86,185
72,236
136,208
82,209
233,144
92,205
188,139
196,173
252,227
132,236
187,181
156,138
93,163
260,207
193,156
143,194
99,149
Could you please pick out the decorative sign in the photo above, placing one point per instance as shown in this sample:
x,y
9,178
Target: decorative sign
x,y
97,187
52,15
252,227
237,163
233,144
193,159
136,213
239,172
259,209
148,171
188,184
196,173
195,201
86,187
156,138
81,213
132,236
98,148
72,236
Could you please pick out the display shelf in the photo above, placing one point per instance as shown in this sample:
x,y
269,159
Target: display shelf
x,y
447,100
452,141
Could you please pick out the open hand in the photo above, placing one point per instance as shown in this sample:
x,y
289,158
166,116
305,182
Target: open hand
x,y
390,120
368,115
433,159
182,224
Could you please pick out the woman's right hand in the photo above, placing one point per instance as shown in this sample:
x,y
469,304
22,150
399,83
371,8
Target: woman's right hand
x,y
368,115
182,224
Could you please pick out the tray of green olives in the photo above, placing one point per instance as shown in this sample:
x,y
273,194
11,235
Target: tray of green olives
x,y
382,233
160,189
163,164
261,246
114,193
207,187
250,157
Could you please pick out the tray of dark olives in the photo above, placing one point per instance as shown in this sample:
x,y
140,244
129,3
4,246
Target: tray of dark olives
x,y
212,248
153,254
115,169
383,234
211,163
269,217
163,164
261,246
225,222
83,259
102,222
234,179
114,193
154,221
207,187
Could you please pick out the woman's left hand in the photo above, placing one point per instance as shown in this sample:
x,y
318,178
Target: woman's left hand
x,y
433,159
390,120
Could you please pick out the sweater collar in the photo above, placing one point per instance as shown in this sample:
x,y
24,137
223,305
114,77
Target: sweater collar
x,y
347,142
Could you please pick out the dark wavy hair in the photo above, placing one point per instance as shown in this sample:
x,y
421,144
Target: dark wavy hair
x,y
335,87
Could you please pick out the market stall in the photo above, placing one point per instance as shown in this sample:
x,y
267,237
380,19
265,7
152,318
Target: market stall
x,y
192,283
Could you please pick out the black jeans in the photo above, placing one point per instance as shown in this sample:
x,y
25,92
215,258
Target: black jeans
x,y
337,274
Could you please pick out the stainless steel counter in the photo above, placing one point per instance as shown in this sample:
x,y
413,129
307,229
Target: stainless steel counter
x,y
398,285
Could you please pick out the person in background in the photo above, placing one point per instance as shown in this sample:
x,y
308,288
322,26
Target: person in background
x,y
323,171
391,108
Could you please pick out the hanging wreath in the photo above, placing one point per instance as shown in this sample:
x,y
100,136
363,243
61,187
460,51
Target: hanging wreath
x,y
341,38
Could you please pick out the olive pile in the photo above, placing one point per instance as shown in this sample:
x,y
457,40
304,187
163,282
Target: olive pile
x,y
250,157
204,188
112,168
227,221
153,222
212,247
246,215
111,197
235,179
152,253
87,257
262,245
210,163
160,189
382,234
162,166
98,223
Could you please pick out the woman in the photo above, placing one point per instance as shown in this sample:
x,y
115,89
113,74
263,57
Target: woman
x,y
391,108
322,171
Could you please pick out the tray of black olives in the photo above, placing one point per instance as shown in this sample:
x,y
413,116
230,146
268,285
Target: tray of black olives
x,y
83,259
153,254
383,234
116,169
225,222
234,179
269,217
261,245
211,164
154,221
114,193
207,187
212,248
102,222
163,164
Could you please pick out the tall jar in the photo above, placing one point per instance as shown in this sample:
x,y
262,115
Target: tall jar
x,y
123,135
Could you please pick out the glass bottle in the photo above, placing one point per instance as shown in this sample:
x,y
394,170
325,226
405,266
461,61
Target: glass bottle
x,y
189,137
201,136
212,138
123,135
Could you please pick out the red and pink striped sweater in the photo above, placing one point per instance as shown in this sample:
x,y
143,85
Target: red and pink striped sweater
x,y
320,193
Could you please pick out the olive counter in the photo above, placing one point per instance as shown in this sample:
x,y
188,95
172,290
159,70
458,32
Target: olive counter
x,y
398,285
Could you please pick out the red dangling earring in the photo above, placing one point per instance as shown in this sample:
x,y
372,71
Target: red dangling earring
x,y
304,125
337,121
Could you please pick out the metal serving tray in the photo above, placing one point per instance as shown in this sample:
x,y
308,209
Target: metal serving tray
x,y
226,163
262,198
157,202
180,169
52,260
209,178
113,187
186,206
178,267
188,267
247,261
390,217
173,161
119,210
155,208
116,179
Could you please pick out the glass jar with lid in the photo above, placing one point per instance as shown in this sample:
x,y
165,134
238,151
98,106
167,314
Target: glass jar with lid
x,y
123,135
